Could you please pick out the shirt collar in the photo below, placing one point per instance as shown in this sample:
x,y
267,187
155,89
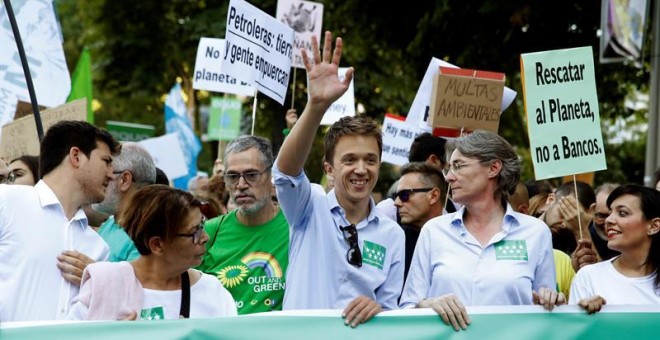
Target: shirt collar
x,y
335,207
47,198
510,219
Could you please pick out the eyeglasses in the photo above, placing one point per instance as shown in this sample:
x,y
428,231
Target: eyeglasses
x,y
197,234
456,168
252,177
118,172
353,255
7,179
404,195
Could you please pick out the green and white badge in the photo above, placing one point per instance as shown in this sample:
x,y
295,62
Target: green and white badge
x,y
374,254
513,250
155,313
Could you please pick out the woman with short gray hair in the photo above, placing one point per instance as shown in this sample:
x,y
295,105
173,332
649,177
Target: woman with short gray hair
x,y
485,253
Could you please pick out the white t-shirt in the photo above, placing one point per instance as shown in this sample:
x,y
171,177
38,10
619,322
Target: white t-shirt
x,y
208,299
604,280
33,232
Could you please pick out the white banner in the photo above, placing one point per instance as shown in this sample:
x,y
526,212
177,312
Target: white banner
x,y
42,40
306,20
258,49
342,107
167,154
419,110
208,70
398,136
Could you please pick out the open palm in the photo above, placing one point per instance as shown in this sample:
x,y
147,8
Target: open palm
x,y
324,86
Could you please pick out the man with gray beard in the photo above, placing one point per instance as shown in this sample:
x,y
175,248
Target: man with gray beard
x,y
248,247
133,169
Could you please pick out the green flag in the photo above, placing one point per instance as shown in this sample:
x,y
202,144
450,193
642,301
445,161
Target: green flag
x,y
81,83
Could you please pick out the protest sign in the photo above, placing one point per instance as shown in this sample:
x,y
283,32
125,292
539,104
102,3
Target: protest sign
x,y
129,132
167,154
306,20
258,49
208,70
342,107
463,98
563,121
42,40
397,138
419,112
224,118
20,136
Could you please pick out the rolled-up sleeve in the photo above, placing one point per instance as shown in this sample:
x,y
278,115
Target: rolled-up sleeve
x,y
294,196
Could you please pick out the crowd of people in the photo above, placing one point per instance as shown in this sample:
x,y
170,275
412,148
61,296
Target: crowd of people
x,y
93,231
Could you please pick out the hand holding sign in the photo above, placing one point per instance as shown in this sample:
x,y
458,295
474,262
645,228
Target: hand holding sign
x,y
324,84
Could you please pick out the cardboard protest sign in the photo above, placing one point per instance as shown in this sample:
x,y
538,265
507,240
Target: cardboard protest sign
x,y
42,40
208,70
224,118
463,98
561,103
420,109
167,154
342,107
258,49
20,136
306,20
397,138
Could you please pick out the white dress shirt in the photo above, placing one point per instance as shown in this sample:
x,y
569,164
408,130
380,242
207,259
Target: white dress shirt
x,y
33,232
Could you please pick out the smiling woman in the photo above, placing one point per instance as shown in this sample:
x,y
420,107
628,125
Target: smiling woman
x,y
633,228
167,227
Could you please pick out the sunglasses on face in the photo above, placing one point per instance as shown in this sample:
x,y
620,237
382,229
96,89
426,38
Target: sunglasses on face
x,y
353,255
404,195
197,234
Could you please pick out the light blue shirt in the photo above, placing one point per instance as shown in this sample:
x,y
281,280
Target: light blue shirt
x,y
319,275
448,259
122,247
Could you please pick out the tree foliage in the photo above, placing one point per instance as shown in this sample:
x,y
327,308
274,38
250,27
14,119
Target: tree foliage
x,y
140,48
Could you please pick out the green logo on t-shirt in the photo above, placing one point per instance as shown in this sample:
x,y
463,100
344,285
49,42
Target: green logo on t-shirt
x,y
155,313
374,254
515,250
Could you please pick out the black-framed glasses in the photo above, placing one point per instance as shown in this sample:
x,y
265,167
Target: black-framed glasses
x,y
252,177
119,172
404,195
353,255
197,234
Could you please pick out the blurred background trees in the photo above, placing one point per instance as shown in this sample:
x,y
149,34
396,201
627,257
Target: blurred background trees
x,y
140,48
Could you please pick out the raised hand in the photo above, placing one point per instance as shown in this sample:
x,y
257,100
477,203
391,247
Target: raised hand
x,y
324,86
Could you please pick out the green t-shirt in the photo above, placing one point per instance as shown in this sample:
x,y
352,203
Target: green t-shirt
x,y
249,261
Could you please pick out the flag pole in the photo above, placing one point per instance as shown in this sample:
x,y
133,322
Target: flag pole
x,y
293,91
26,69
254,110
